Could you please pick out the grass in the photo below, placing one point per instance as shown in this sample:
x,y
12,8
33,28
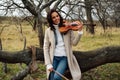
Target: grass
x,y
12,40
100,39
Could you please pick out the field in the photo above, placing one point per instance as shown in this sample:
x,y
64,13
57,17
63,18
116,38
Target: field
x,y
13,40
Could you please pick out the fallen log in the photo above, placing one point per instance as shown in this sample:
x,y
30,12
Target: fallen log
x,y
87,59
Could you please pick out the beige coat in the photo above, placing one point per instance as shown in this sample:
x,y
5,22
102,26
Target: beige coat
x,y
69,40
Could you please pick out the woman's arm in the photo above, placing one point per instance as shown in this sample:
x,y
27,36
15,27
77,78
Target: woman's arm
x,y
75,39
46,48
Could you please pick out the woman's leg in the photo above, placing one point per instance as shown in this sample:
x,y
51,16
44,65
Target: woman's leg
x,y
61,67
55,64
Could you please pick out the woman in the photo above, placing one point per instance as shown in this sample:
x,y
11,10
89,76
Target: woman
x,y
58,53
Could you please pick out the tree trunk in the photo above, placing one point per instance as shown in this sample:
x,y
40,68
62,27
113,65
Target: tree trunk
x,y
87,60
40,33
90,28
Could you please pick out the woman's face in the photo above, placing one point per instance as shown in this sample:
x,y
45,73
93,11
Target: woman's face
x,y
55,18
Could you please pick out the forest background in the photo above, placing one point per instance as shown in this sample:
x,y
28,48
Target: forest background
x,y
102,19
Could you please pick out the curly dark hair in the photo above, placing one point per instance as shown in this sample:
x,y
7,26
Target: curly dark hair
x,y
49,19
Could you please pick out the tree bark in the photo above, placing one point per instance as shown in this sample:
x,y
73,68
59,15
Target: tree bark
x,y
88,8
86,60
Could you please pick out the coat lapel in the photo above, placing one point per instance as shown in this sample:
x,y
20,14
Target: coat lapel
x,y
53,38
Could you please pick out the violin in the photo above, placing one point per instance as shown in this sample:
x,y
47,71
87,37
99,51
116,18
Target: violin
x,y
75,26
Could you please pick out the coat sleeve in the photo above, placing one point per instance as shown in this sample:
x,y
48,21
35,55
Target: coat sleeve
x,y
46,48
74,38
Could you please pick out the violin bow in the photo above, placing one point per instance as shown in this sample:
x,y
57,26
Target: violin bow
x,y
60,75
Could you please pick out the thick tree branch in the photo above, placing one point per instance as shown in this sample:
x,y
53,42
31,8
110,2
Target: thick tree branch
x,y
91,59
47,4
85,59
30,7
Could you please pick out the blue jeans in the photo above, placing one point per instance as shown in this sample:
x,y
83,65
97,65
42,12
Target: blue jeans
x,y
60,64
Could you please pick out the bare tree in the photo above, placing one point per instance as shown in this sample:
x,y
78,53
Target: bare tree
x,y
116,15
106,11
88,7
35,8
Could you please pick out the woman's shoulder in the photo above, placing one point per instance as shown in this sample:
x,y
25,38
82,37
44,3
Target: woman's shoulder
x,y
48,29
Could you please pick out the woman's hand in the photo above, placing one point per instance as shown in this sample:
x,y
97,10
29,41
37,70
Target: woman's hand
x,y
80,25
51,69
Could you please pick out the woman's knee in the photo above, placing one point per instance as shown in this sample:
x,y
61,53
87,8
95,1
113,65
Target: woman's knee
x,y
57,77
